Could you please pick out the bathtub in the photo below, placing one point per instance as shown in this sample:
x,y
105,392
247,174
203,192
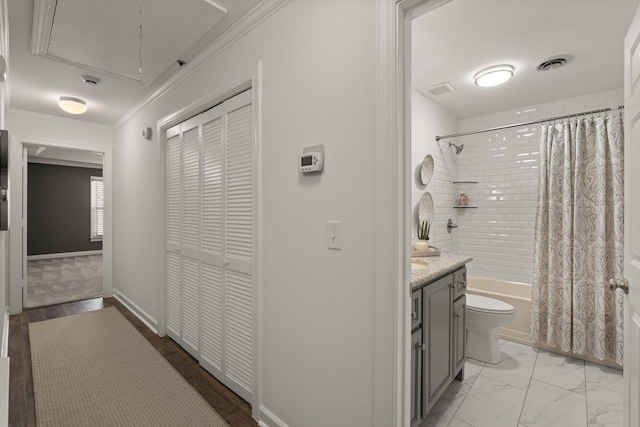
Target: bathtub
x,y
519,295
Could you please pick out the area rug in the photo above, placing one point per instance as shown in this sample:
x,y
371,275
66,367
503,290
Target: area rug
x,y
96,369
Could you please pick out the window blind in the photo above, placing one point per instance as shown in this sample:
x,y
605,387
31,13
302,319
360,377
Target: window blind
x,y
97,207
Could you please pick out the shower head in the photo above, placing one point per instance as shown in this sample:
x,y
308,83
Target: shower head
x,y
458,147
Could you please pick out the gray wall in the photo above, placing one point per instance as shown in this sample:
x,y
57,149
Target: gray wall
x,y
59,209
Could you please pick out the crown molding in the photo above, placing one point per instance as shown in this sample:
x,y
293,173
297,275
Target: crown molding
x,y
247,23
43,11
24,113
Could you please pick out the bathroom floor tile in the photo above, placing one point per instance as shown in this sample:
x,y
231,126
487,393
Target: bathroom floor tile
x,y
604,407
550,406
603,376
531,388
457,423
491,403
561,371
512,370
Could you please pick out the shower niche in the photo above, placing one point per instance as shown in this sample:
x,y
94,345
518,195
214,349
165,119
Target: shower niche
x,y
466,206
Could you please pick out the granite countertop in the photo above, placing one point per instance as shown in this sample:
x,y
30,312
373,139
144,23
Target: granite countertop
x,y
438,266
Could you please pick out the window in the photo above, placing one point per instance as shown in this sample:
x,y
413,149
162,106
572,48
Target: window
x,y
97,208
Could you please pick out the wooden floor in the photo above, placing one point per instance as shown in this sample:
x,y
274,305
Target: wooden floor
x,y
232,408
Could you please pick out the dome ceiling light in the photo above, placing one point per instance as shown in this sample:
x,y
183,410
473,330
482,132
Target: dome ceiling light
x,y
494,75
73,105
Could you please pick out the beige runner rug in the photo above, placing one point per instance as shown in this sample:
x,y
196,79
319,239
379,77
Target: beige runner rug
x,y
96,369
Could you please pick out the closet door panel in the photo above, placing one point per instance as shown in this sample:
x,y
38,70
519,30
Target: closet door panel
x,y
212,314
173,292
173,233
212,202
239,330
191,304
239,188
191,190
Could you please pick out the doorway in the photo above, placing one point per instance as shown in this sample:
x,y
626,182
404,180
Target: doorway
x,y
64,210
406,60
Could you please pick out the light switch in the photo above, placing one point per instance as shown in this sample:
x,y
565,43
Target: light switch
x,y
334,234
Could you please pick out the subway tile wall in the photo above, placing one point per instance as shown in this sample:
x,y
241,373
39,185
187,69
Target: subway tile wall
x,y
429,120
499,233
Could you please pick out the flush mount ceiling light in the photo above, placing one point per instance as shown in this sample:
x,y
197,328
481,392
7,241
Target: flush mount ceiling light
x,y
73,105
493,76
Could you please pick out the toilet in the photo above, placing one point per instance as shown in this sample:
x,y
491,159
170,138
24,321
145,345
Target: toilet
x,y
483,318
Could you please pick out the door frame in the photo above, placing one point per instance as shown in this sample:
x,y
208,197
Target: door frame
x,y
18,212
393,205
248,79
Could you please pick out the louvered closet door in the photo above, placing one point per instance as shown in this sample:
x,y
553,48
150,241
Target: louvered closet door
x,y
227,245
209,283
183,234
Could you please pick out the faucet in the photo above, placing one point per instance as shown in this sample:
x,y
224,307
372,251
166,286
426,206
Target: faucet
x,y
451,226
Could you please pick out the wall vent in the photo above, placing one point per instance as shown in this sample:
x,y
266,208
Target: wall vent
x,y
441,88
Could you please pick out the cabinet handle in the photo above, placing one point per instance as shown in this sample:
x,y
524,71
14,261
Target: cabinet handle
x,y
414,315
457,314
424,347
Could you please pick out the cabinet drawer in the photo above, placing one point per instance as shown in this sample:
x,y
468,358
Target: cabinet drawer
x,y
416,309
459,282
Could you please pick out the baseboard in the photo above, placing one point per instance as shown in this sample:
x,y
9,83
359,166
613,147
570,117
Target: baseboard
x,y
267,419
139,313
4,350
4,391
63,255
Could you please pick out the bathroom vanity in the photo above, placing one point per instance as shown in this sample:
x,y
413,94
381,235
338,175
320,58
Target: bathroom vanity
x,y
438,286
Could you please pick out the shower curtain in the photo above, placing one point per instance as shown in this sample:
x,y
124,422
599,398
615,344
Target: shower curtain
x,y
579,238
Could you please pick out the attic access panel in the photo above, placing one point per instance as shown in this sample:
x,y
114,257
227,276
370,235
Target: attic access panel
x,y
105,35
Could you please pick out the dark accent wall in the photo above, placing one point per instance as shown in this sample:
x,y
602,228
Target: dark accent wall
x,y
59,209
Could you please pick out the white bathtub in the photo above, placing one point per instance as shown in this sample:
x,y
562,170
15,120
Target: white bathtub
x,y
519,295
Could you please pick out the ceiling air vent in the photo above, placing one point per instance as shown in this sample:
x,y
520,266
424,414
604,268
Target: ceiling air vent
x,y
553,63
440,88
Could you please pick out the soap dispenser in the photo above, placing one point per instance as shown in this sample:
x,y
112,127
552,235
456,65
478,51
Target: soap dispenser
x,y
463,200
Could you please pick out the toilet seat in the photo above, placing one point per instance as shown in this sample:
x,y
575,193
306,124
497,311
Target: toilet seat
x,y
482,304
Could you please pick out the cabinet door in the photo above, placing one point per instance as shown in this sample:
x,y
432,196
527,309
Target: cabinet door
x,y
459,335
437,326
417,351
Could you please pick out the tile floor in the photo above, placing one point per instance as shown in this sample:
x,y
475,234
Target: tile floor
x,y
531,388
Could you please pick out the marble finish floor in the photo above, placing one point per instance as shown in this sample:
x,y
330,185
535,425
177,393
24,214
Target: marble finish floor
x,y
531,388
59,280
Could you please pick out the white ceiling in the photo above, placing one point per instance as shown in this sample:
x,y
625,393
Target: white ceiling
x,y
102,39
453,42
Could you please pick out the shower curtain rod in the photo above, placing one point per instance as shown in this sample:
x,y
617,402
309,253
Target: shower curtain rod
x,y
473,132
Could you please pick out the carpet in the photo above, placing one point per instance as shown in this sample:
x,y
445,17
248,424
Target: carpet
x,y
96,369
58,280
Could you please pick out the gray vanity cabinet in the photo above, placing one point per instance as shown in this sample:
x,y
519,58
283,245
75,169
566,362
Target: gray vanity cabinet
x,y
437,340
437,307
417,350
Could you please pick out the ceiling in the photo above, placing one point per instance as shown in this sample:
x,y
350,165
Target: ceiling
x,y
453,42
52,43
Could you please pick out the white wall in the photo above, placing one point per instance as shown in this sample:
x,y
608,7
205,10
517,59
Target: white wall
x,y
499,234
429,119
316,312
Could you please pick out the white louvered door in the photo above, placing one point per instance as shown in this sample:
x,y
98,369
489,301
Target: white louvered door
x,y
209,283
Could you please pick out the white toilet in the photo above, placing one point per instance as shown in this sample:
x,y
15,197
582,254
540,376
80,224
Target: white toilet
x,y
484,317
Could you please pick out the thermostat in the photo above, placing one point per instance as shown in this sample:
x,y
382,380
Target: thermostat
x,y
310,162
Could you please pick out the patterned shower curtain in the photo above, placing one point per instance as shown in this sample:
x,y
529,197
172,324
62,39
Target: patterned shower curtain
x,y
579,238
